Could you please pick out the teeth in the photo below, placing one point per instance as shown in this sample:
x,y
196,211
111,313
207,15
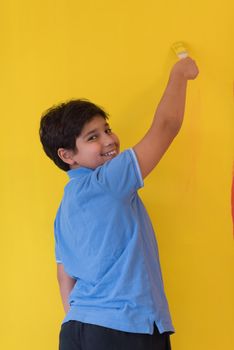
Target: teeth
x,y
109,153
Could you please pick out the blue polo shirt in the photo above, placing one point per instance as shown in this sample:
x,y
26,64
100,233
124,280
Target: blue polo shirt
x,y
105,240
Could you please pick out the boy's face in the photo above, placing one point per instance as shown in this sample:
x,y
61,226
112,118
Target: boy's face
x,y
95,145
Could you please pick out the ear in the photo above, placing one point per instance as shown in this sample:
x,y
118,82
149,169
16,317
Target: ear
x,y
66,155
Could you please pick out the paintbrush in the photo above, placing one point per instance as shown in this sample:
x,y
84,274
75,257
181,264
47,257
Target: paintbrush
x,y
180,49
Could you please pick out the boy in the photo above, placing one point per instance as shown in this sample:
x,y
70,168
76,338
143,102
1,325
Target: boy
x,y
106,252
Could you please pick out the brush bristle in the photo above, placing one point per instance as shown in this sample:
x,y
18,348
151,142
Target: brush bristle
x,y
180,49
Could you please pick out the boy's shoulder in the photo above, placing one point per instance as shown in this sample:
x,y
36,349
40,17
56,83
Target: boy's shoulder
x,y
118,177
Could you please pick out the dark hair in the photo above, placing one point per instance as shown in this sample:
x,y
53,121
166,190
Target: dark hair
x,y
61,124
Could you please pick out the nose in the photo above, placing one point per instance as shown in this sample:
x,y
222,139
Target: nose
x,y
107,140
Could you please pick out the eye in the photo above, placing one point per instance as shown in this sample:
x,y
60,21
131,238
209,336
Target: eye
x,y
92,138
108,131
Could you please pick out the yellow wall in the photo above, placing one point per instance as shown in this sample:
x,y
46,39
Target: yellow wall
x,y
117,54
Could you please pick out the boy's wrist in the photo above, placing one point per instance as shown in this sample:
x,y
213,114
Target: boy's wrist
x,y
178,75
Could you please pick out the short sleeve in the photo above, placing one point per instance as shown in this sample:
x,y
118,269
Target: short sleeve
x,y
56,246
121,175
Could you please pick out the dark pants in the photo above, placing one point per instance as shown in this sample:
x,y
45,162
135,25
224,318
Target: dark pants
x,y
76,335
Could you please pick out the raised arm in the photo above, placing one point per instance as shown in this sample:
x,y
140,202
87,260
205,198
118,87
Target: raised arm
x,y
66,283
168,117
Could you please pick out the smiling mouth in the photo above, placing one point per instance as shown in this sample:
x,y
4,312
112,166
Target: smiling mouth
x,y
109,154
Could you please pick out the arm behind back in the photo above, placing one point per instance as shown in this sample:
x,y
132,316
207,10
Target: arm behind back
x,y
66,284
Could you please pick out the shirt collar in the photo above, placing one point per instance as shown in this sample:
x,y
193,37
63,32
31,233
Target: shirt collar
x,y
75,173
